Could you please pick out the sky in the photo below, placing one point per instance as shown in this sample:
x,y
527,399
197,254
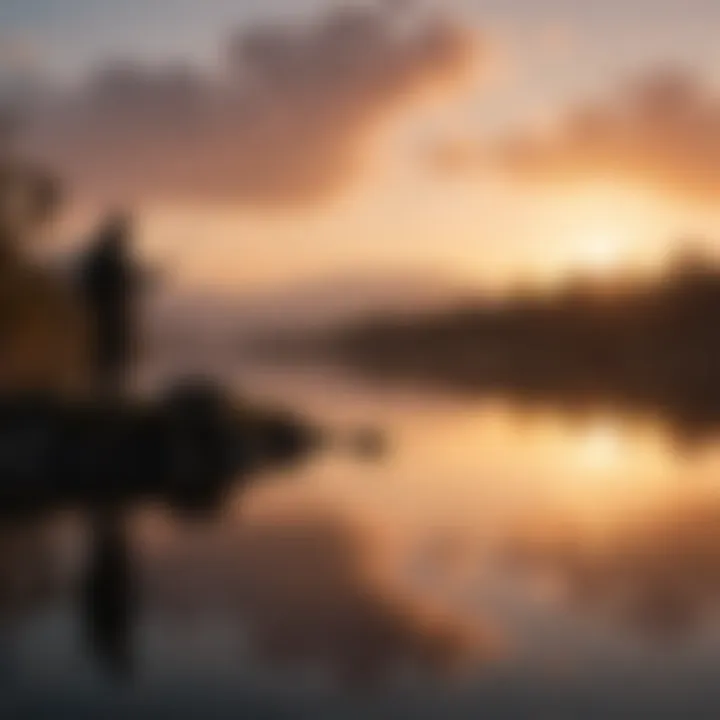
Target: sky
x,y
292,172
77,34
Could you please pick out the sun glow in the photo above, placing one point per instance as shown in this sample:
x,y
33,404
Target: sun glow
x,y
601,253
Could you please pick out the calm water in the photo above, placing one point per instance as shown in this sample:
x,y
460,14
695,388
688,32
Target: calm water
x,y
499,562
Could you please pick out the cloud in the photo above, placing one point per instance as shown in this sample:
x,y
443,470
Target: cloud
x,y
557,38
311,587
661,133
18,54
287,121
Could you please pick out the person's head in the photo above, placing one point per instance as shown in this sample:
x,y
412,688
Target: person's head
x,y
117,227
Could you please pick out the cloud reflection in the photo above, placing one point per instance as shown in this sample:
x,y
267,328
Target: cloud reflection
x,y
312,588
657,571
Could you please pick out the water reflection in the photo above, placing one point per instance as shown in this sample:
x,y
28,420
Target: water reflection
x,y
104,459
606,506
109,601
314,585
657,572
427,565
30,571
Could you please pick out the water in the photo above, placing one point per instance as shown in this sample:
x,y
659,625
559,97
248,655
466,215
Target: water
x,y
501,561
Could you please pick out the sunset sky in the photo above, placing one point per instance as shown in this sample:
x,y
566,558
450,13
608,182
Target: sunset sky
x,y
285,142
508,501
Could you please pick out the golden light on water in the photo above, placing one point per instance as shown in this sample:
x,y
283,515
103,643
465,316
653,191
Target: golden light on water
x,y
601,448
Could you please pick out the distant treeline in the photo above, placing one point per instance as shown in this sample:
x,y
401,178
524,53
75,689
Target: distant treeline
x,y
650,344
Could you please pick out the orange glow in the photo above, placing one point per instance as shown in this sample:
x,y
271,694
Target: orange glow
x,y
601,252
601,448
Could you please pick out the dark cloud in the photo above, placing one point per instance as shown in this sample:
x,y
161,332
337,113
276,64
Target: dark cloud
x,y
661,133
308,585
288,120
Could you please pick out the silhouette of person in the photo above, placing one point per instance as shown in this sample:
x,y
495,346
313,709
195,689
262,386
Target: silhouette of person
x,y
108,286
